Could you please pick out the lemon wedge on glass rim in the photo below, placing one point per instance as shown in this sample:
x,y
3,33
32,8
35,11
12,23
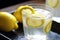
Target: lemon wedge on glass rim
x,y
19,11
35,22
52,3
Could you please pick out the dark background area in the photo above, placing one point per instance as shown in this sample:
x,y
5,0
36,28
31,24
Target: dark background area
x,y
6,3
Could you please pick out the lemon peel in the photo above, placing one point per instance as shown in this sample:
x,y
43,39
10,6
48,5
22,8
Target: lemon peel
x,y
7,22
18,12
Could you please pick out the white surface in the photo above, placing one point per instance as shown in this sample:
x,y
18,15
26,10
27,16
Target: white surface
x,y
57,19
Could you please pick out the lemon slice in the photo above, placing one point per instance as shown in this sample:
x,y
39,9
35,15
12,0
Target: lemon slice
x,y
34,22
47,26
20,10
59,1
52,3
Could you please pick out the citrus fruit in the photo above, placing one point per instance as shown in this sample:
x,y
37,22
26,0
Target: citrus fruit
x,y
34,22
7,22
52,3
47,26
22,9
59,1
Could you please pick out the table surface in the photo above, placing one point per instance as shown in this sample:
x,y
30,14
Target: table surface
x,y
19,34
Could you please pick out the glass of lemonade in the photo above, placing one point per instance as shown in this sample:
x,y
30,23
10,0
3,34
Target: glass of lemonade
x,y
54,7
37,26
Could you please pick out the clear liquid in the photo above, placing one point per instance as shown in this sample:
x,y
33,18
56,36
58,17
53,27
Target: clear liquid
x,y
34,33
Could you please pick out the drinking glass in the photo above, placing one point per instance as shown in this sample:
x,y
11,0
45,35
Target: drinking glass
x,y
37,27
54,7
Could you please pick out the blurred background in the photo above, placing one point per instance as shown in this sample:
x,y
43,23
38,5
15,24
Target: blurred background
x,y
6,3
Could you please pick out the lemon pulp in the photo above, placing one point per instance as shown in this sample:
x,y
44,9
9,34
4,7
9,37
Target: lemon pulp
x,y
36,21
47,26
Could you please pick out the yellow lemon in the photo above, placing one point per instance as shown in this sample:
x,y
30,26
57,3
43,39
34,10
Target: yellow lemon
x,y
52,3
47,26
35,22
59,1
22,9
7,22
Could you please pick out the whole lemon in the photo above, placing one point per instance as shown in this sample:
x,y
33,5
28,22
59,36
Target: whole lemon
x,y
7,22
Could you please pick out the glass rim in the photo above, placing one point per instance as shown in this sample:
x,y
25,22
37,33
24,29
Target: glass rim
x,y
39,17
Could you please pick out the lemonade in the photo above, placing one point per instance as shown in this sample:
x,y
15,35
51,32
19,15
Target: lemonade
x,y
54,7
36,25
